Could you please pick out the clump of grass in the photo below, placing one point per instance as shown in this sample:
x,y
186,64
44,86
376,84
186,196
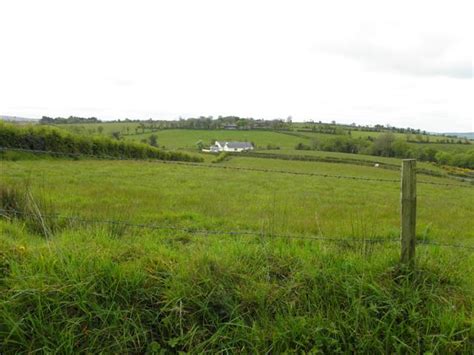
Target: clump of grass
x,y
18,202
116,229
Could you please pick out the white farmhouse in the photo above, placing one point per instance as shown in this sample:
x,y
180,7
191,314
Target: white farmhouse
x,y
221,146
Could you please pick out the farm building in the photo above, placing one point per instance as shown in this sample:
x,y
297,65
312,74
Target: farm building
x,y
220,146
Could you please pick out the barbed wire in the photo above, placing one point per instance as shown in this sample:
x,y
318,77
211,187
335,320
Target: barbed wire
x,y
194,231
153,226
431,243
298,173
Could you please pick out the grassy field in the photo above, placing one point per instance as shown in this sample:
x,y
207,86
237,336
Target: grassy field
x,y
187,139
107,287
236,254
163,193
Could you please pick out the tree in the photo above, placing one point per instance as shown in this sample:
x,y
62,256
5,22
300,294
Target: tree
x,y
430,153
200,145
400,148
302,146
153,140
383,144
116,135
443,158
100,129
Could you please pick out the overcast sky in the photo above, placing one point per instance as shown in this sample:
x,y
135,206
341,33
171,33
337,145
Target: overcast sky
x,y
407,64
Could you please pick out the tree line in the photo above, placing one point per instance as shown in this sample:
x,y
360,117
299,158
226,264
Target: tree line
x,y
387,145
70,120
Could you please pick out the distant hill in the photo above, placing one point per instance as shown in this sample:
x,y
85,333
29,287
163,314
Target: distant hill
x,y
18,119
468,135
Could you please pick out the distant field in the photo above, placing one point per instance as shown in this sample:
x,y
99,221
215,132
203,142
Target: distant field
x,y
404,136
107,128
187,139
348,157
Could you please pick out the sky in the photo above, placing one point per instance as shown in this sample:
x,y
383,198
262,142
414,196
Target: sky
x,y
403,63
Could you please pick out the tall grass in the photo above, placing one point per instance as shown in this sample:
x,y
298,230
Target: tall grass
x,y
18,203
148,292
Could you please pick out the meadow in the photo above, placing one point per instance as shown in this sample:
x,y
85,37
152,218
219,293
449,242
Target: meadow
x,y
188,285
187,139
241,254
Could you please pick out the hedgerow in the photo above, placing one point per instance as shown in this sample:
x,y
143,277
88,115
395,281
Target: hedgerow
x,y
55,140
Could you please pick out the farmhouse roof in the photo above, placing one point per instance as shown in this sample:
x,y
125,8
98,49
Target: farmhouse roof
x,y
242,145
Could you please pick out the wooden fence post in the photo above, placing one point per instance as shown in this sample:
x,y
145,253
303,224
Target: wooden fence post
x,y
408,211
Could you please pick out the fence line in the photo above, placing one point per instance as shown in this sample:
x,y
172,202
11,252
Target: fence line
x,y
107,157
4,213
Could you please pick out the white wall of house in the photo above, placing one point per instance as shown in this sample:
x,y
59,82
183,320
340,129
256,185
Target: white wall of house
x,y
227,149
218,147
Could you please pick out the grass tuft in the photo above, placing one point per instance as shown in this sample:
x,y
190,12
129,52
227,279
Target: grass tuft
x,y
18,202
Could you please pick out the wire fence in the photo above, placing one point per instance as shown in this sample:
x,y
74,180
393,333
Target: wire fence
x,y
227,167
11,214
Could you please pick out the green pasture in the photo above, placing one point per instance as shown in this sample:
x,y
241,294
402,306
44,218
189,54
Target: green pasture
x,y
187,139
106,128
100,287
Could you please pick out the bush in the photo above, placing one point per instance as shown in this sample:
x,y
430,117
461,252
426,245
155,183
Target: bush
x,y
302,146
153,140
342,144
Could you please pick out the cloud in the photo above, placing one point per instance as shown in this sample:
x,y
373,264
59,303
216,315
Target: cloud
x,y
425,56
123,82
365,61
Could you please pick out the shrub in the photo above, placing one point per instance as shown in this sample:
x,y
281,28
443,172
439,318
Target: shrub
x,y
302,146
